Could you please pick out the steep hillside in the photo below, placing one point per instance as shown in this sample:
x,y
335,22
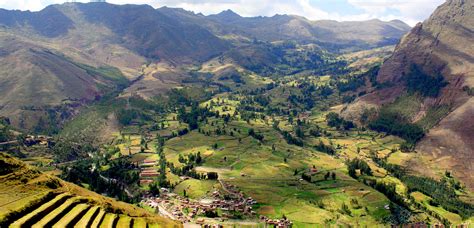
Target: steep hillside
x,y
65,56
49,22
435,63
138,27
34,78
152,34
31,198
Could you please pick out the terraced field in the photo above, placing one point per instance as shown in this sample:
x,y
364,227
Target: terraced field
x,y
64,210
46,201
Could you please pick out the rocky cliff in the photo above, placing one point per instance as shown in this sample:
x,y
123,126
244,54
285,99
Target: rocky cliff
x,y
435,62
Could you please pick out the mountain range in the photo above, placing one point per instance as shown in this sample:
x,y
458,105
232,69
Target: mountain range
x,y
65,52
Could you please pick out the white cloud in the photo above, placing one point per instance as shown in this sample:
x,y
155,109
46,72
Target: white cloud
x,y
410,11
33,5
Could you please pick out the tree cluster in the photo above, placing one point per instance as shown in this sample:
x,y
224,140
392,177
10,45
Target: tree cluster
x,y
334,120
358,164
395,124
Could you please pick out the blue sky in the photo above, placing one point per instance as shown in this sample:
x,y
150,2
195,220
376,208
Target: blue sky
x,y
410,11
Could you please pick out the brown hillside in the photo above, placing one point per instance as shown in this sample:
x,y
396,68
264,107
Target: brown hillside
x,y
440,45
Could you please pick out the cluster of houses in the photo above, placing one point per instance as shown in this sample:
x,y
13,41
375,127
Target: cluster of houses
x,y
183,209
176,206
43,140
280,223
232,190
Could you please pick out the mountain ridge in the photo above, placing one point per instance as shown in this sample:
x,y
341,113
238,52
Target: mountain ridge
x,y
126,37
433,51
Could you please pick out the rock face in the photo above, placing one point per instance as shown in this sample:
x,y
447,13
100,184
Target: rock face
x,y
442,45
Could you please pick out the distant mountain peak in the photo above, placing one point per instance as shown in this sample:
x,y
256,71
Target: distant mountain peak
x,y
229,13
397,21
227,16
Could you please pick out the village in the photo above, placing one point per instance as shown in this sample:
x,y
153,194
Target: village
x,y
220,205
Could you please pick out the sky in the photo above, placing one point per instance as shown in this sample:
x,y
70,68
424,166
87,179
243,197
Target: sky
x,y
409,11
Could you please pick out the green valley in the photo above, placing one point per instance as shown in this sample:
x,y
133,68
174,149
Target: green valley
x,y
131,116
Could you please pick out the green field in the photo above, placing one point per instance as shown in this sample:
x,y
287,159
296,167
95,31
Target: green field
x,y
262,173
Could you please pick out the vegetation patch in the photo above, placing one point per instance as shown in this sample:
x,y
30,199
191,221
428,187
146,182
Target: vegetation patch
x,y
418,81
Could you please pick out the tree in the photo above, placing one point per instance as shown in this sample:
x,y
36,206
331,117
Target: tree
x,y
212,176
306,177
255,135
334,120
198,158
154,190
345,209
395,124
299,132
326,176
328,149
424,84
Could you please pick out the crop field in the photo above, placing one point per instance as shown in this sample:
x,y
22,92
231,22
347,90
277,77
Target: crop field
x,y
196,189
270,169
131,144
62,210
425,200
266,172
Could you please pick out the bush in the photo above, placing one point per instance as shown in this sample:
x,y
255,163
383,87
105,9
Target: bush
x,y
210,214
468,90
345,209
